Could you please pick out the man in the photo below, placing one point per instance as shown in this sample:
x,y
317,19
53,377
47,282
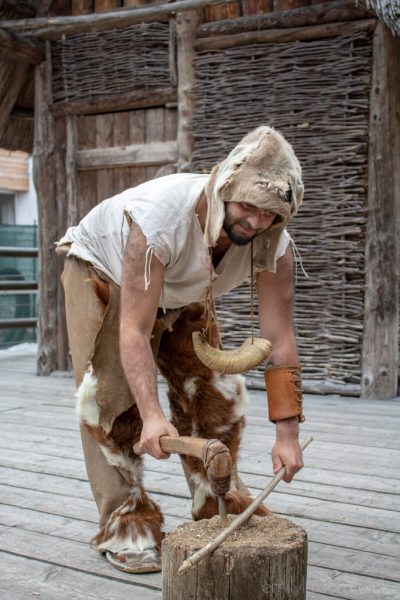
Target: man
x,y
139,268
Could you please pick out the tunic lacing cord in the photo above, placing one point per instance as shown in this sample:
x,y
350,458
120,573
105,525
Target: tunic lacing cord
x,y
297,258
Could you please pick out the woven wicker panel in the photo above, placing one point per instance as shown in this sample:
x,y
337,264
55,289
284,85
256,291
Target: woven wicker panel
x,y
111,62
317,94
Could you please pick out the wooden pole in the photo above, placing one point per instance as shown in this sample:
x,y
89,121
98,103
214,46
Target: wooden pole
x,y
71,171
314,32
50,180
380,354
329,12
186,24
54,28
44,176
65,182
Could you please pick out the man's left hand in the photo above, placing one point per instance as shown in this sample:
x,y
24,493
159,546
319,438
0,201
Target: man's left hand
x,y
287,451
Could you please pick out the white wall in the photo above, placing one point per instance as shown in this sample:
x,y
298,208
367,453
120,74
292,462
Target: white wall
x,y
26,203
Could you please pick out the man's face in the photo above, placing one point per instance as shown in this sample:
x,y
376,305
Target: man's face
x,y
243,222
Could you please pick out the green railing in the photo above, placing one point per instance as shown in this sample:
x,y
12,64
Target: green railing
x,y
18,284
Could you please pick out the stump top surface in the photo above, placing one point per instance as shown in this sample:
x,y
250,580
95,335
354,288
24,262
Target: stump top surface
x,y
274,534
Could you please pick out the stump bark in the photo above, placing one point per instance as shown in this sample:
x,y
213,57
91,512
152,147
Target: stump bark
x,y
265,559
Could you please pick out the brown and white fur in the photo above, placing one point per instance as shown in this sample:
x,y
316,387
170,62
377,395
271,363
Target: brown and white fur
x,y
136,524
203,404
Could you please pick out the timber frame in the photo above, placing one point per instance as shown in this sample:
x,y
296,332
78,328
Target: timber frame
x,y
62,146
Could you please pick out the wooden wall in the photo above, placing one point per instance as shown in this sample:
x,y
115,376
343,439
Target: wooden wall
x,y
112,132
317,94
117,130
94,138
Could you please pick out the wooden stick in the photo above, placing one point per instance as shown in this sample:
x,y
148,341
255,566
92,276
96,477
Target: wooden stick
x,y
55,27
211,546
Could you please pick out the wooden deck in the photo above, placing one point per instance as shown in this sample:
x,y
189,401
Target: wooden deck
x,y
346,497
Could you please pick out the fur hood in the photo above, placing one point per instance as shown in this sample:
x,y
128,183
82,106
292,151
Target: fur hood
x,y
261,170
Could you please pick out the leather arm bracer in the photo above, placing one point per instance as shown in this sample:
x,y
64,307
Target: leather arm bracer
x,y
284,391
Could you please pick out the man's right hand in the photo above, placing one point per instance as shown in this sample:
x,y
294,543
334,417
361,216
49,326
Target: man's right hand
x,y
153,429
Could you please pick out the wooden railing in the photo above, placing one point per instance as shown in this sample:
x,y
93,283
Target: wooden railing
x,y
17,285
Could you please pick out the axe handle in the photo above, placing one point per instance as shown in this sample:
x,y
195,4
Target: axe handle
x,y
180,445
214,455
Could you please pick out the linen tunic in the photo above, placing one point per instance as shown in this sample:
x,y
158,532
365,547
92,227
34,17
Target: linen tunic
x,y
165,211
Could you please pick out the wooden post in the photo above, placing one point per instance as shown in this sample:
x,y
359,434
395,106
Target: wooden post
x,y
186,24
71,171
50,181
380,354
64,189
265,558
45,175
67,208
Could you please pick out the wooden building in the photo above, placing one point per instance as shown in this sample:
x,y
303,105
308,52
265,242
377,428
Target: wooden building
x,y
123,94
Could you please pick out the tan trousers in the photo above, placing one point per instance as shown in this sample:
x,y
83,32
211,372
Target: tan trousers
x,y
203,403
109,484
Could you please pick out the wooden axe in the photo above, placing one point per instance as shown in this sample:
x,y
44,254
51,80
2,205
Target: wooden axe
x,y
216,459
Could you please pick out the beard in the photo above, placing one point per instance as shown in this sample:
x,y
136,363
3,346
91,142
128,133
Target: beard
x,y
235,234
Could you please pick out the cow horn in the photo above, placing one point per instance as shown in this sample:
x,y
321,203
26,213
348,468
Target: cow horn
x,y
250,354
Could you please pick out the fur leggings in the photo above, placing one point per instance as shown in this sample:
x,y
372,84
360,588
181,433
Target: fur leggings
x,y
203,404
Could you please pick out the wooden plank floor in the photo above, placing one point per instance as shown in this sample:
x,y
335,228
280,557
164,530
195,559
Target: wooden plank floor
x,y
346,497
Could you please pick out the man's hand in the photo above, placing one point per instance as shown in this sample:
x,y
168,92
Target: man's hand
x,y
153,428
287,451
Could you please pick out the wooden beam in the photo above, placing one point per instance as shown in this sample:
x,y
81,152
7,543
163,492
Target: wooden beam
x,y
186,24
296,34
137,155
51,185
111,103
12,93
380,355
329,12
18,49
53,28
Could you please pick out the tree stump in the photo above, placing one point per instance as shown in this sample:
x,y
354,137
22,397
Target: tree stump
x,y
264,559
